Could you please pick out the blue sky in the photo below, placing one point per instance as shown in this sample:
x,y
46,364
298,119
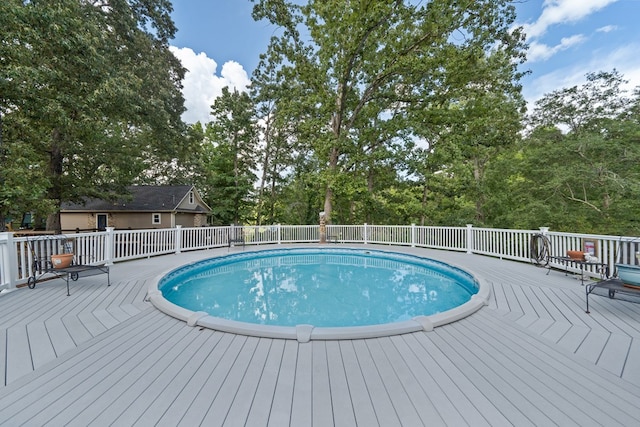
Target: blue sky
x,y
219,43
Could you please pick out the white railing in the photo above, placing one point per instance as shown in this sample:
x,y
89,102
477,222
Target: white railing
x,y
511,244
18,254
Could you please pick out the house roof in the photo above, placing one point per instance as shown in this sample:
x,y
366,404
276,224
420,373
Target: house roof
x,y
145,198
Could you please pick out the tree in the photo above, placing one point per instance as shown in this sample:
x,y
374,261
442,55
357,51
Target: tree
x,y
383,65
277,132
576,168
95,88
600,99
231,157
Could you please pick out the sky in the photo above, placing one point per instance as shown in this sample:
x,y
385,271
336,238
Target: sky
x,y
220,45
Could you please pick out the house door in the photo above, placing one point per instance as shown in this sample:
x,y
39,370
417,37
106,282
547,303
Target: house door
x,y
101,222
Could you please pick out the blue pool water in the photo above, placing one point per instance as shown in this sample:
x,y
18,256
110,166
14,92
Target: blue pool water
x,y
320,287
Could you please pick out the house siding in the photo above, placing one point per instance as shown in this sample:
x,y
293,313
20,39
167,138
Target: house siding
x,y
138,213
72,221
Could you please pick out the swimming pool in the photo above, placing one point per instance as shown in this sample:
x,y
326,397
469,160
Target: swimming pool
x,y
318,293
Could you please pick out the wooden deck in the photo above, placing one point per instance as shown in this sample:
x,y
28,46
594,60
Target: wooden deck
x,y
104,356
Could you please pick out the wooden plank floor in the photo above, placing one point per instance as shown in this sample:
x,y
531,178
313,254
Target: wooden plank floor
x,y
104,356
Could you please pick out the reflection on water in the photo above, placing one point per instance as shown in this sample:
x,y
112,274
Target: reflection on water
x,y
318,287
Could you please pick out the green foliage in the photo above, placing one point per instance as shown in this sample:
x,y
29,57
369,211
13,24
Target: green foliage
x,y
94,90
379,112
230,153
367,78
583,180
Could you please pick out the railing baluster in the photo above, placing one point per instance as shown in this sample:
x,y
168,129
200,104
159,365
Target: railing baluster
x,y
16,259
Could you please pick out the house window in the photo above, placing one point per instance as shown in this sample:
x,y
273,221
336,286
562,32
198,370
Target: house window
x,y
155,218
191,198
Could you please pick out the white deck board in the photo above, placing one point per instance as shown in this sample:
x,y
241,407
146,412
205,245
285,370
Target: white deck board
x,y
40,345
465,366
593,344
183,406
19,361
437,387
170,384
364,412
426,395
302,413
128,397
219,409
401,402
615,353
3,355
631,369
537,392
245,394
322,411
263,399
280,410
340,392
378,392
565,373
104,356
60,337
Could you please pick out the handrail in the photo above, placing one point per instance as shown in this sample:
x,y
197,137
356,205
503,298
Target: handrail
x,y
110,246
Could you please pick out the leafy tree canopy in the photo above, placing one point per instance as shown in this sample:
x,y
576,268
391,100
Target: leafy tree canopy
x,y
366,78
89,89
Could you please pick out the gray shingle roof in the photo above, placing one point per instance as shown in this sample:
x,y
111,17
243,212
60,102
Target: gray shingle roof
x,y
146,198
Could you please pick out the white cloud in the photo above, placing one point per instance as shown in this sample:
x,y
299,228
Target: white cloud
x,y
626,61
201,85
561,12
540,51
607,29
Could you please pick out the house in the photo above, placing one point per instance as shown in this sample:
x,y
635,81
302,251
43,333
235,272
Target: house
x,y
151,206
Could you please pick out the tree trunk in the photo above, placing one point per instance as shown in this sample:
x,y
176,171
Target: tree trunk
x,y
263,178
336,128
328,196
425,193
478,175
56,159
236,173
370,184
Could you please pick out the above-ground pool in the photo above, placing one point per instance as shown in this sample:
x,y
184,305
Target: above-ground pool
x,y
318,293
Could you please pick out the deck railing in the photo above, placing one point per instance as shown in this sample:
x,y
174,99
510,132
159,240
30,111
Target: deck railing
x,y
17,254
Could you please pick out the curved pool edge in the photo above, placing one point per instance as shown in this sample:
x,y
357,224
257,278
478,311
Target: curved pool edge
x,y
306,333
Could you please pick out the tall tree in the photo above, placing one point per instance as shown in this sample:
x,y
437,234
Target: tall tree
x,y
279,139
576,168
583,107
98,89
364,64
232,157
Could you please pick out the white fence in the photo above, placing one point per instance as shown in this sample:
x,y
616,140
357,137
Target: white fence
x,y
18,255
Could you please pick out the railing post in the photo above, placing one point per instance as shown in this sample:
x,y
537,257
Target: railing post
x,y
364,233
178,239
413,235
8,260
469,238
109,246
279,238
